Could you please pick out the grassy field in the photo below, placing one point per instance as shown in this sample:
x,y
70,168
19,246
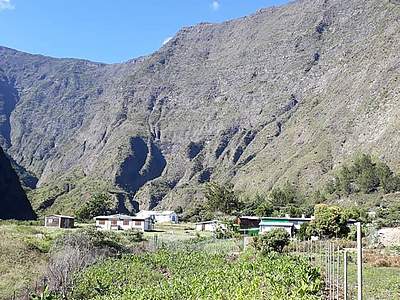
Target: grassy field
x,y
380,283
23,255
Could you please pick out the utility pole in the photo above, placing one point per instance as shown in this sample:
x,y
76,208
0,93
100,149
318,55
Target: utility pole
x,y
359,262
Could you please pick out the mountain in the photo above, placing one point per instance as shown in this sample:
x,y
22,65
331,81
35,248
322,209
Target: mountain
x,y
287,93
13,202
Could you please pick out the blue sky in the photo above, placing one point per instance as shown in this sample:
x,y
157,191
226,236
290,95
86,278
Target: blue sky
x,y
108,30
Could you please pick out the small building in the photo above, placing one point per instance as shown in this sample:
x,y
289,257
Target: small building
x,y
123,222
248,222
209,225
59,221
165,216
287,223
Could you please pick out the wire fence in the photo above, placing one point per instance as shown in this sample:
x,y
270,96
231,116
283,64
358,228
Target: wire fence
x,y
335,259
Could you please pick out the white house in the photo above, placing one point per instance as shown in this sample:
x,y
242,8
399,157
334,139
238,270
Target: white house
x,y
159,216
210,225
123,222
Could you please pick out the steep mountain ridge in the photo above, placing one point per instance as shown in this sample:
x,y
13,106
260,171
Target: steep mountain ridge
x,y
13,202
285,94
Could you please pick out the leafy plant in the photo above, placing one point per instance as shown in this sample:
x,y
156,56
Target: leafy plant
x,y
199,275
272,241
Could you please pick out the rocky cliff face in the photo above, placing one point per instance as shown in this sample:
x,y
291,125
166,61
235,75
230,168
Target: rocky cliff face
x,y
284,94
13,202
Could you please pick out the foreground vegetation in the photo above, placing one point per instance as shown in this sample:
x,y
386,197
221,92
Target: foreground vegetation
x,y
199,275
380,283
24,251
86,264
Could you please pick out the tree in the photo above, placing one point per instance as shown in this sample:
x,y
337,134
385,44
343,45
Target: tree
x,y
265,209
221,198
343,181
388,181
273,241
284,196
99,204
330,221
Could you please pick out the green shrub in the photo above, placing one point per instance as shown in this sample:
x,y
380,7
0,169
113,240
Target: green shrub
x,y
330,221
272,241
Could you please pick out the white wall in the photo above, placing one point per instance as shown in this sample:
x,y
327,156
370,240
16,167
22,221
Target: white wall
x,y
264,229
159,216
120,225
206,227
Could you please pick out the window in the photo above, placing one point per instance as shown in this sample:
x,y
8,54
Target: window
x,y
126,222
138,223
114,222
102,222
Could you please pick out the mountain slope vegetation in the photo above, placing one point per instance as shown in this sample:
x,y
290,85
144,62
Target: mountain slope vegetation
x,y
286,94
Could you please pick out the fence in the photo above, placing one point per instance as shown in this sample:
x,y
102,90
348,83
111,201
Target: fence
x,y
331,257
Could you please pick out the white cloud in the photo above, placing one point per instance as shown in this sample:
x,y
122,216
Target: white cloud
x,y
167,40
215,5
6,4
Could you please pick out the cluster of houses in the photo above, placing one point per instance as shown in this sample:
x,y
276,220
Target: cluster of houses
x,y
143,221
250,225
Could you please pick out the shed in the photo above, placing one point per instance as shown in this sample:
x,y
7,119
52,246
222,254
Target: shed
x,y
123,222
59,221
210,225
248,222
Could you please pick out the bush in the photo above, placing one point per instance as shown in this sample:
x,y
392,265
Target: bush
x,y
273,241
133,236
77,250
227,231
330,221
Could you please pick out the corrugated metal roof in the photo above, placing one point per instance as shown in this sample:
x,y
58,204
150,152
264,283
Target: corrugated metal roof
x,y
208,222
286,219
119,217
60,216
250,217
156,213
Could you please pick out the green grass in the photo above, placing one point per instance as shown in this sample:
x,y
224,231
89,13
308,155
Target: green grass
x,y
23,255
380,283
